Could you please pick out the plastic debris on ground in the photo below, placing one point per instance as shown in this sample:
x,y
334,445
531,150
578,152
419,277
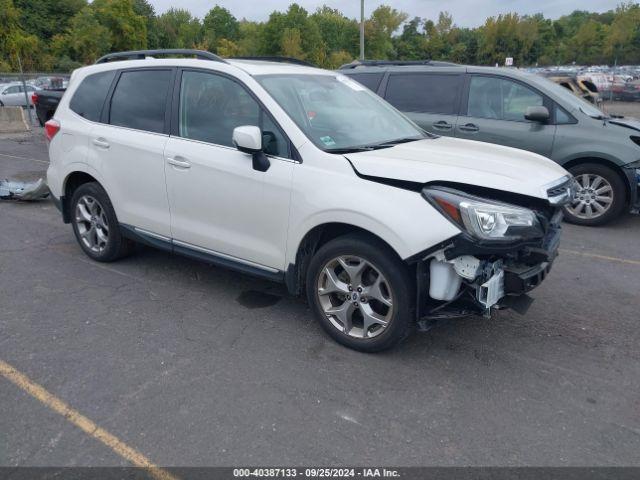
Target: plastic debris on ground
x,y
26,191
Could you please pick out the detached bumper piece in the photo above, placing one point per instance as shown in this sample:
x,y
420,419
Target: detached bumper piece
x,y
468,278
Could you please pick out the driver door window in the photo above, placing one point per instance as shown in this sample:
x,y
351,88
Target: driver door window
x,y
211,106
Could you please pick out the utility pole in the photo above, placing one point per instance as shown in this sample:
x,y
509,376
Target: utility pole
x,y
26,94
361,29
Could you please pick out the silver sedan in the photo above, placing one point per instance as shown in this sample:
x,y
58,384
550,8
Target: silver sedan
x,y
12,94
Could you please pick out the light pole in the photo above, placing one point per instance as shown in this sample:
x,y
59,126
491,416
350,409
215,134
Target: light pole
x,y
361,29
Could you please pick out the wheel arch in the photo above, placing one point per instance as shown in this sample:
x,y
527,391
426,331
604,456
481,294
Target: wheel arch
x,y
313,240
71,182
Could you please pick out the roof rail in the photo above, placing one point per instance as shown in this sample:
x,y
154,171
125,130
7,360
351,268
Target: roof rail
x,y
141,54
386,63
294,61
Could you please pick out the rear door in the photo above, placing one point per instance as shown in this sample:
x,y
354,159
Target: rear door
x,y
493,112
127,148
430,99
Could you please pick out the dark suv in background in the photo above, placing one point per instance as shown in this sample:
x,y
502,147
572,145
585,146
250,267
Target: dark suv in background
x,y
513,108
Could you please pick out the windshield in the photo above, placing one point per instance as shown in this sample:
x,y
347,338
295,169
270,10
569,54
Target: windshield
x,y
573,100
338,114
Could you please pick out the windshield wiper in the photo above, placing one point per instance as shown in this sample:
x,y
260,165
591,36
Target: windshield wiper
x,y
348,149
373,146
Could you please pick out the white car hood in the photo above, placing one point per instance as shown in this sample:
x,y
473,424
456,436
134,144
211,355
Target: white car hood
x,y
462,161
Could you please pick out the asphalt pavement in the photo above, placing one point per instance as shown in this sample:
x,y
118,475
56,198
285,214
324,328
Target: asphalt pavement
x,y
192,365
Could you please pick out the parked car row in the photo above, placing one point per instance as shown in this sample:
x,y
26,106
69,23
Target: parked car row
x,y
304,176
13,94
521,110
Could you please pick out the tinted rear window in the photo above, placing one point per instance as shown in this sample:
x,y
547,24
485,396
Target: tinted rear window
x,y
420,92
89,97
369,80
140,99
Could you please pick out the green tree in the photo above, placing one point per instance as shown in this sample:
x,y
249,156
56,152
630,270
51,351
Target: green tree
x,y
127,30
45,18
15,41
379,28
177,28
146,10
220,24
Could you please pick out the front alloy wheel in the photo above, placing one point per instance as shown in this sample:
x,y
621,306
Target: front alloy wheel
x,y
355,296
361,292
594,196
600,196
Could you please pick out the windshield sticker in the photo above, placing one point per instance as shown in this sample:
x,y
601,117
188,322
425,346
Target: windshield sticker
x,y
328,141
352,84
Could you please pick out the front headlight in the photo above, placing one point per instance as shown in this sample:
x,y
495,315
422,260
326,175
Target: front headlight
x,y
484,219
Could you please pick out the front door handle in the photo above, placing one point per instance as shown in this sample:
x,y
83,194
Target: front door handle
x,y
178,162
469,127
442,125
100,143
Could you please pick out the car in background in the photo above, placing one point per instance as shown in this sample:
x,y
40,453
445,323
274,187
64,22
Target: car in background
x,y
628,91
582,88
520,110
12,95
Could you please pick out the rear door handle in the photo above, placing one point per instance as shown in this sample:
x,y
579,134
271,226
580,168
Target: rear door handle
x,y
442,125
101,143
469,127
178,162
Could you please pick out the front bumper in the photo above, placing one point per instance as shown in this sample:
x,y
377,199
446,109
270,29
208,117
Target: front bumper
x,y
504,276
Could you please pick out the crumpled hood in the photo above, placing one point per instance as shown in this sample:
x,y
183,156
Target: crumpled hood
x,y
462,161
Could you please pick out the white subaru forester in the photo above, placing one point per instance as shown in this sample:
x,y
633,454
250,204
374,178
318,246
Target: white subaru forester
x,y
302,176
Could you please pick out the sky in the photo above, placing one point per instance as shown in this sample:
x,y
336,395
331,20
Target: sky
x,y
466,13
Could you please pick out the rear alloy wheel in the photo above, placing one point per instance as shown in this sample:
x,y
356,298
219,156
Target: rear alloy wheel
x,y
361,293
95,224
600,196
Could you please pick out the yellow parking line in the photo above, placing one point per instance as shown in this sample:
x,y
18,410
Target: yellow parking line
x,y
83,423
601,257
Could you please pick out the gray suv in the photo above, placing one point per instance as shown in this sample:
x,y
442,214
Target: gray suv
x,y
521,110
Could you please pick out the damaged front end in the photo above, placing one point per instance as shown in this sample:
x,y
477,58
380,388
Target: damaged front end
x,y
506,249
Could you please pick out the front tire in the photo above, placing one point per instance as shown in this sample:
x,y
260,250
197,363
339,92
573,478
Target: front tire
x,y
95,224
361,293
600,198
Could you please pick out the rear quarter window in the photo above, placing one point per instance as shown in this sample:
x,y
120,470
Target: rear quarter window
x,y
369,80
424,92
89,98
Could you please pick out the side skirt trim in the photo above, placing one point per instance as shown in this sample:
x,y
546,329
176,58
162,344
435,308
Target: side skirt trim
x,y
199,253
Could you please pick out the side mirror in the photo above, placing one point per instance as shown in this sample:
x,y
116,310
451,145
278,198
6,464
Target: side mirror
x,y
537,114
248,139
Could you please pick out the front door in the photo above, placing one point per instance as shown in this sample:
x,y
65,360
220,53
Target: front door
x,y
495,114
219,204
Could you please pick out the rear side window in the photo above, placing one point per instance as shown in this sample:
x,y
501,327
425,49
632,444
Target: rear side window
x,y
89,97
369,80
429,93
140,100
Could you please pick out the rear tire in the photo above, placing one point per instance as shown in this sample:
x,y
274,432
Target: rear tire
x,y
95,224
601,195
367,305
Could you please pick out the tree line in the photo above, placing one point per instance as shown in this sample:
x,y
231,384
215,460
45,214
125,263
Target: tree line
x,y
60,35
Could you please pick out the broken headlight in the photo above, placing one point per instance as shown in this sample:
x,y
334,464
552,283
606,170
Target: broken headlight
x,y
484,219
